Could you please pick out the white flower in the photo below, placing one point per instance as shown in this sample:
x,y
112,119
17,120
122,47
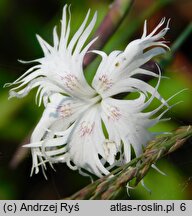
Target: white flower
x,y
85,126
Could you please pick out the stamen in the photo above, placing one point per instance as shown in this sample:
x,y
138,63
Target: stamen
x,y
108,145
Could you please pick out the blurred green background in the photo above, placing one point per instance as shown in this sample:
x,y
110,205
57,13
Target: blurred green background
x,y
20,20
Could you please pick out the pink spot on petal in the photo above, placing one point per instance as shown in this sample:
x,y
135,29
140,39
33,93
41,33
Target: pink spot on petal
x,y
114,113
65,110
105,82
86,128
71,81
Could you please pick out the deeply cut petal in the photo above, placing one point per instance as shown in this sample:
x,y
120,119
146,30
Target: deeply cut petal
x,y
62,64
